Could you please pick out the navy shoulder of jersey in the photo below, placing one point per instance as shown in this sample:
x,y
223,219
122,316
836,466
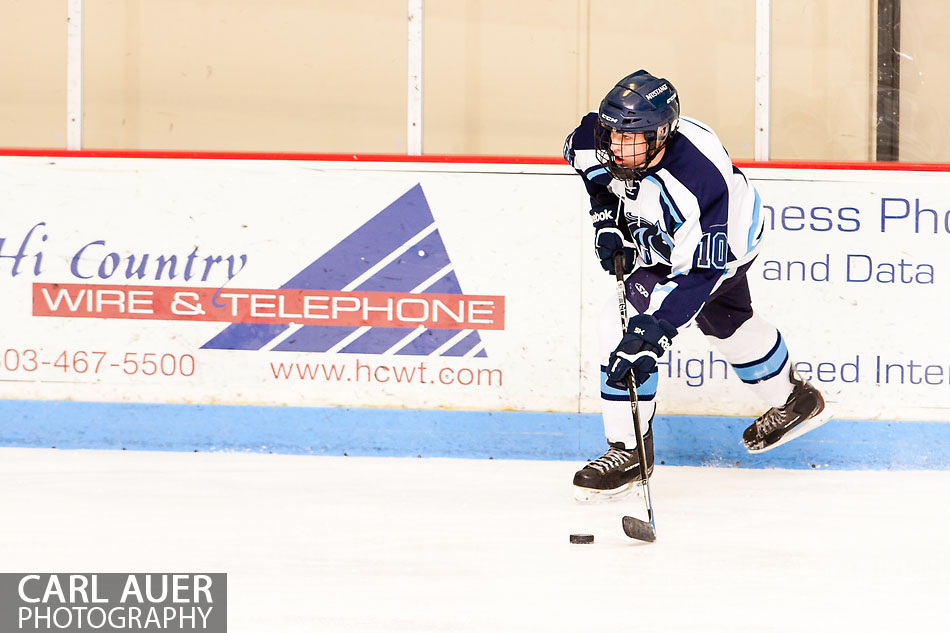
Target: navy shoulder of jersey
x,y
580,152
582,137
698,174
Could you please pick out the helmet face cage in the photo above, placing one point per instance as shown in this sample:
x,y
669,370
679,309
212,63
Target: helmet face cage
x,y
635,121
620,158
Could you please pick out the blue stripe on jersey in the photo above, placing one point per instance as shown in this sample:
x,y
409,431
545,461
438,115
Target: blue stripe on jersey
x,y
668,203
567,151
766,367
663,289
580,151
755,222
699,175
594,172
645,392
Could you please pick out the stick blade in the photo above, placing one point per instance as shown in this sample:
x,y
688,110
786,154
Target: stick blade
x,y
640,530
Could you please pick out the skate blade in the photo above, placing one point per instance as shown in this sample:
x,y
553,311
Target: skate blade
x,y
798,431
590,495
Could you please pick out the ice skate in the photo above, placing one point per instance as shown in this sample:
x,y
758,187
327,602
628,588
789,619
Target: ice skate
x,y
804,411
614,474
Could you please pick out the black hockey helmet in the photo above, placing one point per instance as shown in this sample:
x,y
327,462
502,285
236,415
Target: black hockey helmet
x,y
639,104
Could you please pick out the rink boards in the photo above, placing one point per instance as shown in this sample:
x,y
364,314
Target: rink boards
x,y
251,297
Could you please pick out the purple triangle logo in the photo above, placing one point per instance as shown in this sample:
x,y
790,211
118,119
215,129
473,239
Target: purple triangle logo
x,y
398,250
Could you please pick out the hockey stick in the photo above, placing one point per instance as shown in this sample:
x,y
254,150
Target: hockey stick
x,y
633,527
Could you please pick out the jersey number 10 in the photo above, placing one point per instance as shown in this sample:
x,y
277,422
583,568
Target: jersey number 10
x,y
712,251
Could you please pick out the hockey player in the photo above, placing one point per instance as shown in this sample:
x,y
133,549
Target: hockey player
x,y
665,193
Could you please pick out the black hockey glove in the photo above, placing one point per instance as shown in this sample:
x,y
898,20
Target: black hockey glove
x,y
608,239
642,345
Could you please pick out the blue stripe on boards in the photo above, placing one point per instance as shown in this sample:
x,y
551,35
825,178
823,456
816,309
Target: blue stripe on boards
x,y
679,440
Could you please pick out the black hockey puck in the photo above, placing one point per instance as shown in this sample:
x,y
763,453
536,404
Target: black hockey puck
x,y
582,539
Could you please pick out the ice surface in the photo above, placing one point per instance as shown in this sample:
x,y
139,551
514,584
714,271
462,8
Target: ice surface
x,y
438,545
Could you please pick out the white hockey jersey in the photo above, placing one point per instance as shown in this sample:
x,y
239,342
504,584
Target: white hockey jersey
x,y
694,215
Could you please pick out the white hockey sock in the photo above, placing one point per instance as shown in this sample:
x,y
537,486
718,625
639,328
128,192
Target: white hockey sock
x,y
618,421
760,359
615,403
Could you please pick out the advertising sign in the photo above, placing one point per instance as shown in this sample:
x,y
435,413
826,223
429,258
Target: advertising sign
x,y
235,282
433,287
